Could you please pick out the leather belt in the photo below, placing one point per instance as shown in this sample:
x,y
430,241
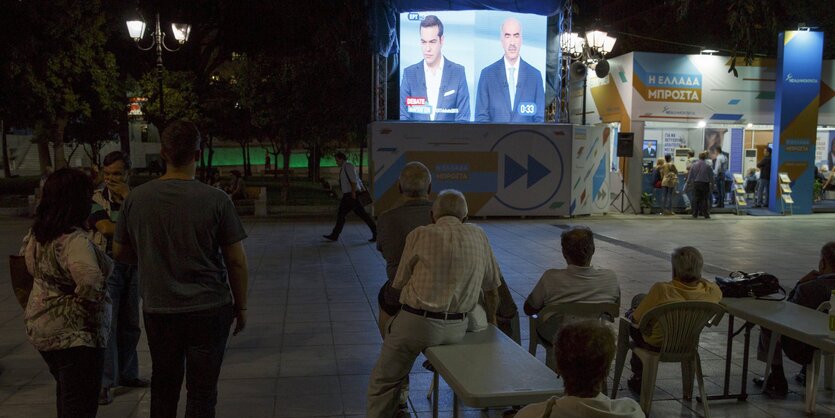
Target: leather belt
x,y
449,316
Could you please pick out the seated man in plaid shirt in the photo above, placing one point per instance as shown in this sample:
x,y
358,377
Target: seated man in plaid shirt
x,y
443,270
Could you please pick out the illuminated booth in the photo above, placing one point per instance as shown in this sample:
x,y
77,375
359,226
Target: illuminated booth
x,y
677,102
468,100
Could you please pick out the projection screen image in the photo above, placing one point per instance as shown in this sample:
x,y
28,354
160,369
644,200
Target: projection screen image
x,y
472,66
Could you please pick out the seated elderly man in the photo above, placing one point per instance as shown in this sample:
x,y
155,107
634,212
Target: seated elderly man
x,y
413,210
443,270
394,225
584,352
811,290
578,282
687,285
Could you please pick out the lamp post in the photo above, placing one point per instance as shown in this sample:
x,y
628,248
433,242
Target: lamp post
x,y
136,29
584,52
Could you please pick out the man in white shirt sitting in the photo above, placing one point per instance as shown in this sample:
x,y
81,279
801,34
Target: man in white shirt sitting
x,y
443,270
584,352
578,282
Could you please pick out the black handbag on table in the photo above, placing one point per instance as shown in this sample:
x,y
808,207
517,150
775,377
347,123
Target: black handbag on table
x,y
757,285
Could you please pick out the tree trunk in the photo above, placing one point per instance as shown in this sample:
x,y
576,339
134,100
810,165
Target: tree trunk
x,y
360,161
43,155
210,146
248,162
124,132
275,165
58,144
285,187
243,154
7,169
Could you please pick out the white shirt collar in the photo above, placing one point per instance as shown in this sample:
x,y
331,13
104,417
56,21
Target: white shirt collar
x,y
507,64
440,68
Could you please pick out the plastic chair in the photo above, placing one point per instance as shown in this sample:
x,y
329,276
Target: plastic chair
x,y
681,325
568,310
813,369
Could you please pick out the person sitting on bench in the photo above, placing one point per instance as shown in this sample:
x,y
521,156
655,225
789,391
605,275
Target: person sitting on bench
x,y
811,290
584,352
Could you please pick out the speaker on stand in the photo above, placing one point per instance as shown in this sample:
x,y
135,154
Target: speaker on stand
x,y
626,141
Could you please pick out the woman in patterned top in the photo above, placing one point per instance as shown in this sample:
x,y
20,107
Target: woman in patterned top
x,y
68,314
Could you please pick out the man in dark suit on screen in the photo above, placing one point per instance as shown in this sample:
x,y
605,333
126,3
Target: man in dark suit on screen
x,y
434,89
510,90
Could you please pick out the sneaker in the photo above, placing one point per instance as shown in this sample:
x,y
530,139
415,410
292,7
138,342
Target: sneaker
x,y
105,396
634,383
330,237
777,387
800,377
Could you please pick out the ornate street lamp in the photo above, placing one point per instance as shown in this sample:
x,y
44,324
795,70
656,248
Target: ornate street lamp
x,y
585,52
181,31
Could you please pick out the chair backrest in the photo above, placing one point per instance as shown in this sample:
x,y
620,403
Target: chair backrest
x,y
681,325
590,310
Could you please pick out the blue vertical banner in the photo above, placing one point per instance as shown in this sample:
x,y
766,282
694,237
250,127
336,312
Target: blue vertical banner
x,y
737,153
799,59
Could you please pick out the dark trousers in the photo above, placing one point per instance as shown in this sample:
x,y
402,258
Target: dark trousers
x,y
120,359
193,343
720,190
346,205
77,373
701,197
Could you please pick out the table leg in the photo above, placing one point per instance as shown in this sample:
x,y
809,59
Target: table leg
x,y
745,352
812,377
728,354
435,394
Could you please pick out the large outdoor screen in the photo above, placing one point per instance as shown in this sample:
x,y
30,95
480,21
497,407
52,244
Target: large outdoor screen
x,y
472,66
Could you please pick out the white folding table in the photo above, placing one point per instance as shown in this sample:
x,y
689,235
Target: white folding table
x,y
782,318
488,369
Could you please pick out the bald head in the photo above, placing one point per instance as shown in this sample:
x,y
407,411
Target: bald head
x,y
511,36
415,180
449,203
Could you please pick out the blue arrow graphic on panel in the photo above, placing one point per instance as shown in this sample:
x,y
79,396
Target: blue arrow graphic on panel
x,y
514,171
536,171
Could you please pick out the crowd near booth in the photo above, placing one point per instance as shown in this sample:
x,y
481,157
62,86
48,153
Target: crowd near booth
x,y
501,72
675,103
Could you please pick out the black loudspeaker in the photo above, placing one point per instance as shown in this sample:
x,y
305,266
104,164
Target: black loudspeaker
x,y
578,69
601,70
625,142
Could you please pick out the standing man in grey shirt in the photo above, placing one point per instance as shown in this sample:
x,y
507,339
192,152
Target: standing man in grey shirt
x,y
187,240
700,180
720,167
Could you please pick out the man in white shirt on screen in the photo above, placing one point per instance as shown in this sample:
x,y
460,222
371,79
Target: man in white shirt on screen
x,y
510,89
434,89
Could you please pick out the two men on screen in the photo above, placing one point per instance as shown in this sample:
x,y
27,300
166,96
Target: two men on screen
x,y
434,89
510,90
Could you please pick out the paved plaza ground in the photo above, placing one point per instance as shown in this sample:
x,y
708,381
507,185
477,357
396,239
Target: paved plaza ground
x,y
312,340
